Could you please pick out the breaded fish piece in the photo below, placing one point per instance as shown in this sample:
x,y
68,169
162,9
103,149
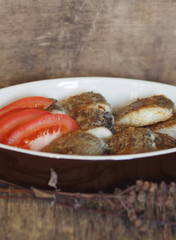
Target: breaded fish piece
x,y
90,110
88,118
164,141
168,127
71,104
129,140
145,111
78,142
56,107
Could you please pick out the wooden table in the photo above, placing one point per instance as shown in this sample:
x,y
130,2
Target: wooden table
x,y
41,39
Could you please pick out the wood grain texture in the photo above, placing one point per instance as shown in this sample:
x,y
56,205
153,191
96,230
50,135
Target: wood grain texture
x,y
43,39
144,212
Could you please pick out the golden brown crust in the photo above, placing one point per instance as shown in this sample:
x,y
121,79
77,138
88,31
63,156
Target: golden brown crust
x,y
78,142
91,118
163,141
166,124
128,140
154,101
74,102
89,110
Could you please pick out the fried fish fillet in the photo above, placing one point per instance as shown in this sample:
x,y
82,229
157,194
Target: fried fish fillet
x,y
56,107
71,104
145,111
90,110
129,140
164,141
88,118
78,142
168,127
146,125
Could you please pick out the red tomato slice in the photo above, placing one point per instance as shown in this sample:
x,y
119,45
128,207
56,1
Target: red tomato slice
x,y
15,110
10,122
27,102
38,133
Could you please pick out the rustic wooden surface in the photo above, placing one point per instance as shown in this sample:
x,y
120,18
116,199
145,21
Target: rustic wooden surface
x,y
143,211
41,39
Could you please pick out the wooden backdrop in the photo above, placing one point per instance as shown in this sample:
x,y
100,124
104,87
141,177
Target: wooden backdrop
x,y
42,39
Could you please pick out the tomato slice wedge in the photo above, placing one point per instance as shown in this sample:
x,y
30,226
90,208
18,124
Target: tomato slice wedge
x,y
10,122
15,110
27,102
39,132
